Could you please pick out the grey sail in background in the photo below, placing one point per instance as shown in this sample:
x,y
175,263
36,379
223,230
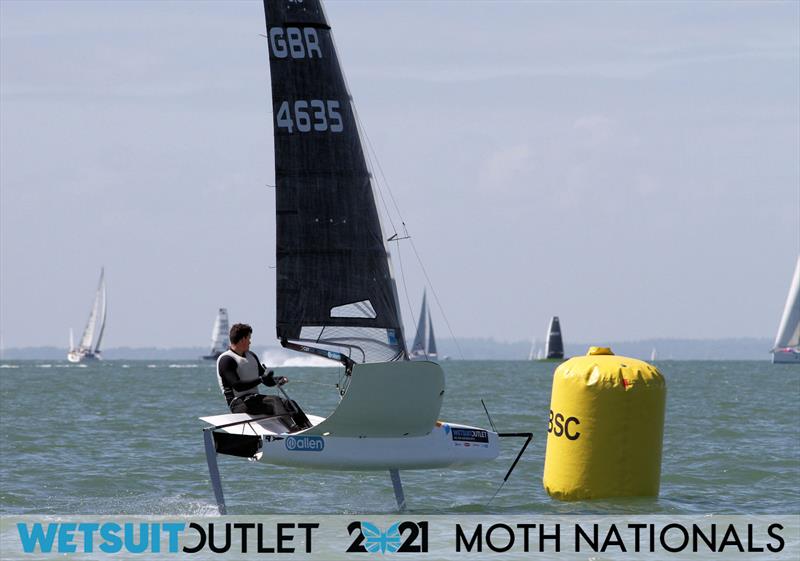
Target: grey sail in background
x,y
424,347
418,348
334,285
555,344
432,354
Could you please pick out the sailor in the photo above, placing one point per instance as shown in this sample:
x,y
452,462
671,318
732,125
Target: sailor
x,y
239,372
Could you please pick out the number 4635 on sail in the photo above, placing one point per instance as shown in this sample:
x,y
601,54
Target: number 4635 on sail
x,y
305,116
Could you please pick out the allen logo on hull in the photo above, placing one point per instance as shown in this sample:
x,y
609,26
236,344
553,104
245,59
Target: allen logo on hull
x,y
305,443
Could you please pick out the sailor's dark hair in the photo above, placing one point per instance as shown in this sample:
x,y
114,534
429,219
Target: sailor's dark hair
x,y
239,331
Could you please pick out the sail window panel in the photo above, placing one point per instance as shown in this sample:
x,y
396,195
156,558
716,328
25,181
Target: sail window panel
x,y
361,344
361,309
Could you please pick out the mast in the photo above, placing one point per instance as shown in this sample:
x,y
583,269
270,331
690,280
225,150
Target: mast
x,y
334,284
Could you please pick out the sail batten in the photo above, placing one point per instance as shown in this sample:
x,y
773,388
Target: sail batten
x,y
330,251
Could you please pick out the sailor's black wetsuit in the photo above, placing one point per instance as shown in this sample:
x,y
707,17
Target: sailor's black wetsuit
x,y
239,377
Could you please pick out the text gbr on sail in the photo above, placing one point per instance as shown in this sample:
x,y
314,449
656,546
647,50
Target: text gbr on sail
x,y
294,42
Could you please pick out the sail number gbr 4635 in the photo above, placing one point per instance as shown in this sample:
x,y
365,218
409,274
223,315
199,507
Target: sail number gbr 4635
x,y
307,115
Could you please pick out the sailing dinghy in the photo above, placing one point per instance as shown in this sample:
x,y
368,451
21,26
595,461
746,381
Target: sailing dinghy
x,y
89,346
336,297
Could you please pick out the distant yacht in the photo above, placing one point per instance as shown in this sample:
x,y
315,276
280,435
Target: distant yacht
x,y
787,343
219,335
89,347
424,347
554,350
653,355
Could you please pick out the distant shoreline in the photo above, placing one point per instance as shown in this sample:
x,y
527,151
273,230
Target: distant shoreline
x,y
466,349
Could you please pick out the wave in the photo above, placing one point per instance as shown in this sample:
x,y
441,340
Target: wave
x,y
281,359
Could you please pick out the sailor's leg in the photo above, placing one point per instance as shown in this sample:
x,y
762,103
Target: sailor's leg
x,y
398,489
213,469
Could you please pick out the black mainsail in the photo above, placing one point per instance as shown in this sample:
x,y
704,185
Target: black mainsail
x,y
334,285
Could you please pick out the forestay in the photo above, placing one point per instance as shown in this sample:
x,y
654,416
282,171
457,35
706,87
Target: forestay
x,y
334,285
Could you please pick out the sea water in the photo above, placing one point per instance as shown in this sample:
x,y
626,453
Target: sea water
x,y
123,437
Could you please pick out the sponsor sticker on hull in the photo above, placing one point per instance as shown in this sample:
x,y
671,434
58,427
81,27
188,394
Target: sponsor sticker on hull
x,y
469,435
305,443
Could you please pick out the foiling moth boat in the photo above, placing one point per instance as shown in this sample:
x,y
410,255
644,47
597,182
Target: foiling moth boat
x,y
336,297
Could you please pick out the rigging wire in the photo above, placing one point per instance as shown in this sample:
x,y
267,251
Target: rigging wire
x,y
370,156
405,286
383,181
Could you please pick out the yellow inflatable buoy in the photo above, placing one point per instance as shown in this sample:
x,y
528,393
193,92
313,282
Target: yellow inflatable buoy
x,y
605,428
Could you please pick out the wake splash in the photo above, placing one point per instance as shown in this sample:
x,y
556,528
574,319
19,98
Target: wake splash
x,y
284,359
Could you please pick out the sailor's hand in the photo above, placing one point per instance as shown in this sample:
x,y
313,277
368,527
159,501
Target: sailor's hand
x,y
267,379
281,380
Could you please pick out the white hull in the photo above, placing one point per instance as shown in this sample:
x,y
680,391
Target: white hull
x,y
448,444
786,357
77,356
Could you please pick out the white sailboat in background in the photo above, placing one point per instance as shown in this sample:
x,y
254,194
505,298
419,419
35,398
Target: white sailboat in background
x,y
89,347
219,335
335,294
787,342
424,347
653,355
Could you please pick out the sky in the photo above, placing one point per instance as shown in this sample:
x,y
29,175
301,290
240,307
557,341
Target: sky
x,y
632,167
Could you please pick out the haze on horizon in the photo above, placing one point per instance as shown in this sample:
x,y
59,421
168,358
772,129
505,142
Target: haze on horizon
x,y
630,167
